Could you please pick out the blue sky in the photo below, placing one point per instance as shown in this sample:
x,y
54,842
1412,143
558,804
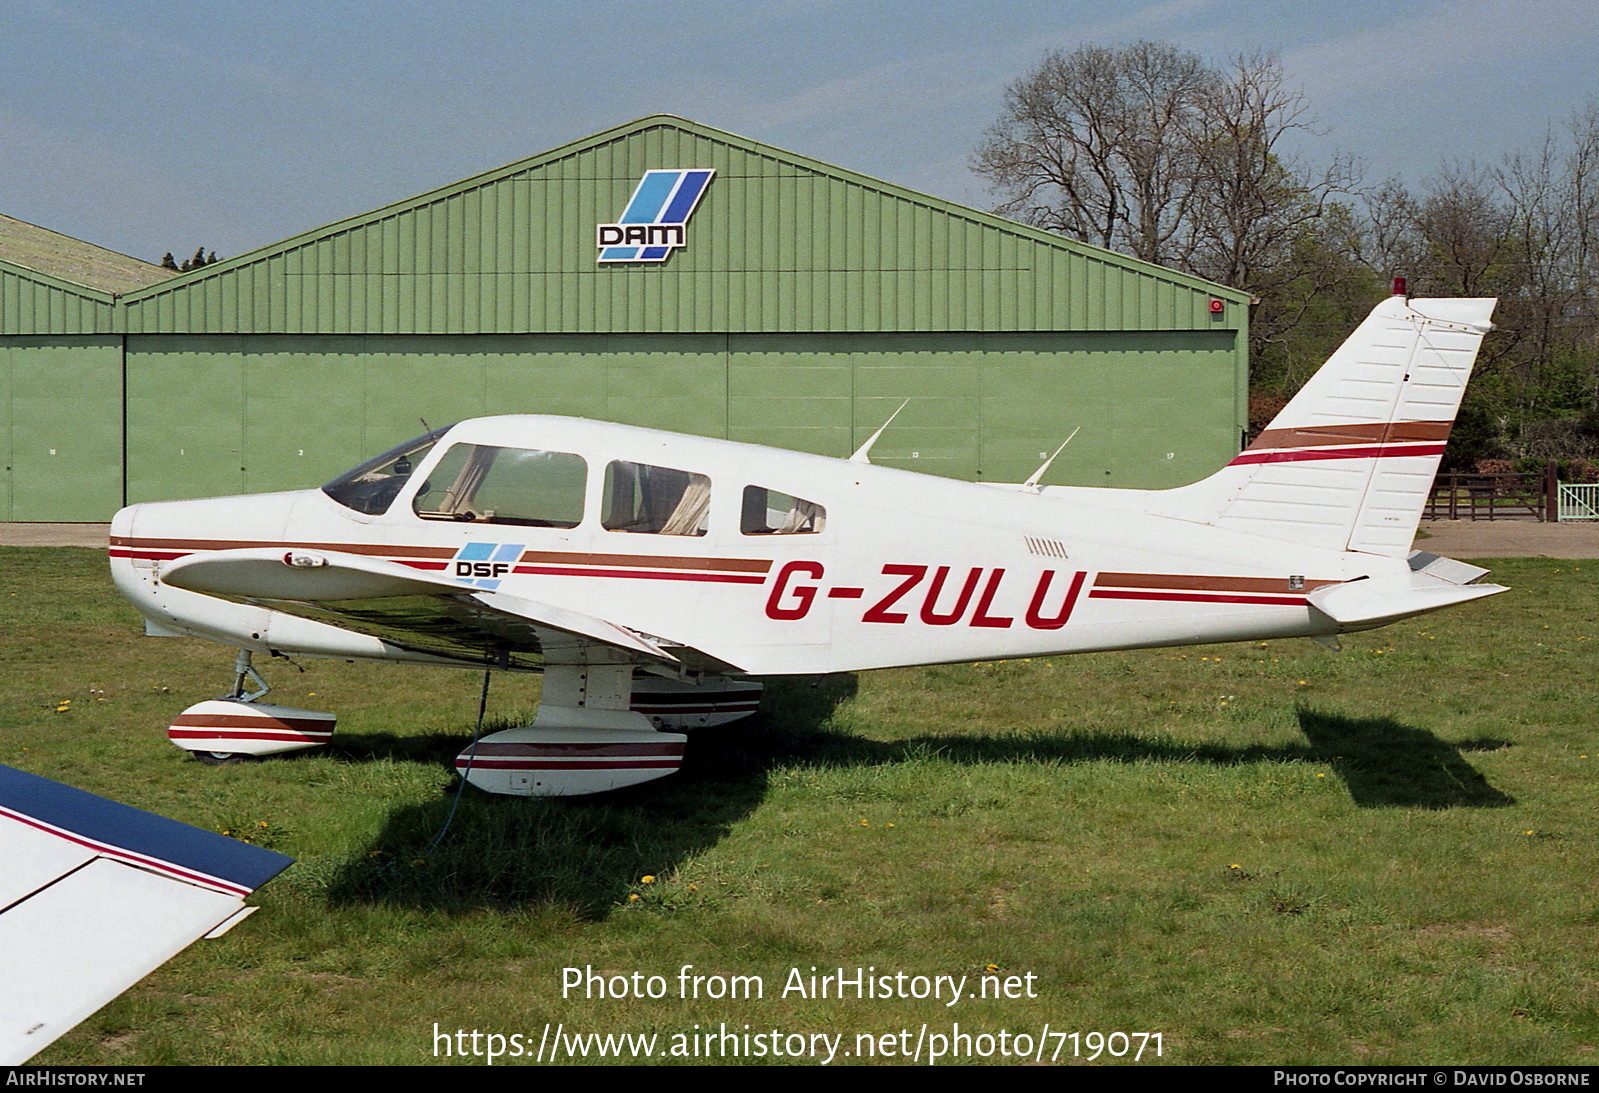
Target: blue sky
x,y
151,126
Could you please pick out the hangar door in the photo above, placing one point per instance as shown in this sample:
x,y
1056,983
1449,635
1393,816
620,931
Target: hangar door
x,y
219,414
60,428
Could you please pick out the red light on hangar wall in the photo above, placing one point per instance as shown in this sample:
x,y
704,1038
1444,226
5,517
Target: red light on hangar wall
x,y
1217,306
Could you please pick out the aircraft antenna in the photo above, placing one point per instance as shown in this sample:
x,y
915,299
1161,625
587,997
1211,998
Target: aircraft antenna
x,y
1032,483
862,454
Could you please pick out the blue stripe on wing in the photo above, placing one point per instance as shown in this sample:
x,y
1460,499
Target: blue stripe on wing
x,y
137,831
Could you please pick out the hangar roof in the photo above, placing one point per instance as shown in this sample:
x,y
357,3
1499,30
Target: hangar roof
x,y
65,258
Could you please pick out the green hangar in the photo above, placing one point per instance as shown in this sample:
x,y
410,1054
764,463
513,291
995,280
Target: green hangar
x,y
661,273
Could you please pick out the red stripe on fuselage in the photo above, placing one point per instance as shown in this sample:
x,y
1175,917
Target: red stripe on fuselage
x,y
639,574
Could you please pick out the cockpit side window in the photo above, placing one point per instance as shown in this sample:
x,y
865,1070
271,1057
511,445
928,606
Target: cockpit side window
x,y
497,485
767,512
655,500
372,487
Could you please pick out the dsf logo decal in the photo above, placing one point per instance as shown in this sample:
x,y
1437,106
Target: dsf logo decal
x,y
483,564
654,222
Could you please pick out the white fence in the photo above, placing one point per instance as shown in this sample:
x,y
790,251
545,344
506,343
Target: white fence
x,y
1579,502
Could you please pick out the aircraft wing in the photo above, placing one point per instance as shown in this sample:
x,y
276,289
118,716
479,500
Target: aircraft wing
x,y
96,895
405,607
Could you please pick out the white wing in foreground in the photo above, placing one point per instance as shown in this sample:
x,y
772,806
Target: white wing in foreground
x,y
95,895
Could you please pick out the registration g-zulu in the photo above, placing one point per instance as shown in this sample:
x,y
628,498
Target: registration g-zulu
x,y
652,576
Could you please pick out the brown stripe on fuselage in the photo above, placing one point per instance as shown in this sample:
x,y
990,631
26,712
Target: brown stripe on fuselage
x,y
1376,432
1190,582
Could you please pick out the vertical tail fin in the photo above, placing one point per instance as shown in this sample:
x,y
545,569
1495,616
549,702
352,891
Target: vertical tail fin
x,y
1348,463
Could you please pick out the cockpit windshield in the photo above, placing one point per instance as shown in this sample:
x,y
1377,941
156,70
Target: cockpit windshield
x,y
373,486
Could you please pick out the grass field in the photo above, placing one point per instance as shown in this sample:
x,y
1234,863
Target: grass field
x,y
1266,853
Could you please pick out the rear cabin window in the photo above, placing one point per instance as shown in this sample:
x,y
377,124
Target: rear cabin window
x,y
767,512
654,500
495,485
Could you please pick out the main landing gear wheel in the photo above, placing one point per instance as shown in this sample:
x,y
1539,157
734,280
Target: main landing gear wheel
x,y
219,758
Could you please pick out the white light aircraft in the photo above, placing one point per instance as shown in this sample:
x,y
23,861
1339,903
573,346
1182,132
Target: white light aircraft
x,y
650,574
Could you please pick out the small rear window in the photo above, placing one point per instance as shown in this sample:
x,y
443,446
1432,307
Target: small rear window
x,y
768,512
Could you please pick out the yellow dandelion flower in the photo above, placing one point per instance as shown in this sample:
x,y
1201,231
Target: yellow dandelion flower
x,y
647,878
631,896
865,824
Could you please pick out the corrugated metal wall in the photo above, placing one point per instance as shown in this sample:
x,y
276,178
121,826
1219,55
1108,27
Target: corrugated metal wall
x,y
778,243
36,303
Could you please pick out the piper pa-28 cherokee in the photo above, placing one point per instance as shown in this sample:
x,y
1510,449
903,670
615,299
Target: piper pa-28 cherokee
x,y
649,574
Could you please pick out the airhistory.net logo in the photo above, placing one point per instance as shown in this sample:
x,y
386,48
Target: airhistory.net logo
x,y
655,222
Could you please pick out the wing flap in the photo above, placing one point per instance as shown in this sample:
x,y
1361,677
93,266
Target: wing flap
x,y
78,943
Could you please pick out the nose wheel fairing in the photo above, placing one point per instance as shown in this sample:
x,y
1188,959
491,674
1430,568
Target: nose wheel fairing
x,y
221,727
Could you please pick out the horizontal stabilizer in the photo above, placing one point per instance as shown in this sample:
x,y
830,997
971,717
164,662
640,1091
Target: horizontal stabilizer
x,y
95,896
1360,605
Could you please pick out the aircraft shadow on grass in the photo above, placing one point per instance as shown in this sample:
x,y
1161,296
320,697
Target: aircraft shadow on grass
x,y
588,854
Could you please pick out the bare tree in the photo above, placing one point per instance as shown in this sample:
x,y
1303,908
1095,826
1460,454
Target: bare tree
x,y
1253,203
1097,144
1148,151
1583,172
1467,234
